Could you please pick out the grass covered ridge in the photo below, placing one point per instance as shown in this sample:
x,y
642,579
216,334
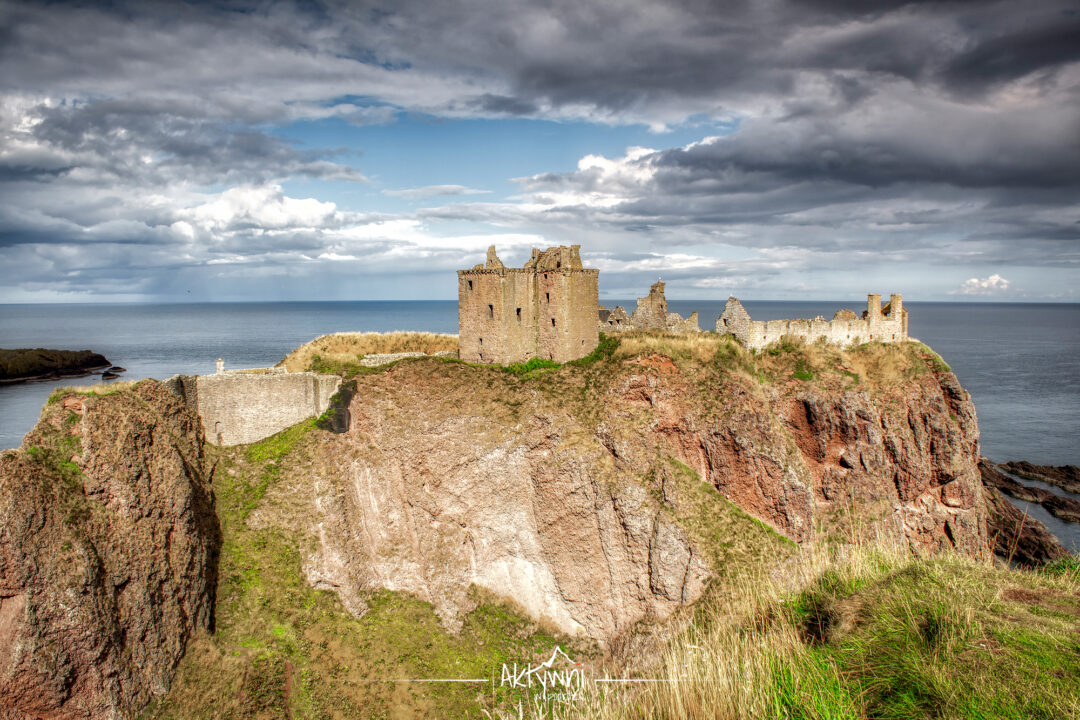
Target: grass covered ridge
x,y
343,348
873,634
869,366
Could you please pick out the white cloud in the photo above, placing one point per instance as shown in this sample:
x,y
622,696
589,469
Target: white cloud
x,y
993,285
433,190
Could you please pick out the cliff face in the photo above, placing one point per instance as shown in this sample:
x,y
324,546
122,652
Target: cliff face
x,y
550,490
108,554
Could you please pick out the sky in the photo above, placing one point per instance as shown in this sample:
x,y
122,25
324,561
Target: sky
x,y
768,149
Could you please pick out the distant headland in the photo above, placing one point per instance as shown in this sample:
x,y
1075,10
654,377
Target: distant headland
x,y
27,364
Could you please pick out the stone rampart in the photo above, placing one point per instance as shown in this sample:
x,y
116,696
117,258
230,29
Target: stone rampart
x,y
240,407
888,324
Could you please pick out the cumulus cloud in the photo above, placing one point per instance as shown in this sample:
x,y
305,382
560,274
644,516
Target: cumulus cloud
x,y
993,285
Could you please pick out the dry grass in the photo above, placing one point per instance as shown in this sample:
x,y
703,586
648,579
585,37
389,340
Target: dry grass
x,y
867,632
700,347
103,388
348,347
869,366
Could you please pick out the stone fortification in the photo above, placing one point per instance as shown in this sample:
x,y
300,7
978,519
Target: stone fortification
x,y
546,309
881,324
244,406
651,313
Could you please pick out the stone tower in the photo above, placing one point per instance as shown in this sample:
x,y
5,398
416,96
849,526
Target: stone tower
x,y
547,309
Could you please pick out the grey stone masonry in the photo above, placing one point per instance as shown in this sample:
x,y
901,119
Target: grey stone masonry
x,y
238,407
888,324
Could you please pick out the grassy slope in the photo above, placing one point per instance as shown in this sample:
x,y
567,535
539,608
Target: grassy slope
x,y
875,635
869,636
283,649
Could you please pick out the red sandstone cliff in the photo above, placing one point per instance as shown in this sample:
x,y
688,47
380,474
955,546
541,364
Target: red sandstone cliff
x,y
544,489
108,554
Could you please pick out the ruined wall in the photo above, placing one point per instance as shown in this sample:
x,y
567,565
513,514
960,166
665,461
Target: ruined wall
x,y
237,408
846,328
651,312
546,309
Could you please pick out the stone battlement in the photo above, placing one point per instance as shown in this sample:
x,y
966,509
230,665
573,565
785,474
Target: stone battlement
x,y
881,324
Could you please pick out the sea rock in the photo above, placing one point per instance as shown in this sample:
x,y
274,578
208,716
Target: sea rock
x,y
1066,477
108,554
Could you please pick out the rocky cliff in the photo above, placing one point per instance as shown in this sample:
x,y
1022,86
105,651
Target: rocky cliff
x,y
108,554
552,489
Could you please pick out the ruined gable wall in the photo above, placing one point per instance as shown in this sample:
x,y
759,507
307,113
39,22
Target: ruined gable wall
x,y
651,311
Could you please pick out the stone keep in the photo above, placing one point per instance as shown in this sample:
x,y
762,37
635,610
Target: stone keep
x,y
547,309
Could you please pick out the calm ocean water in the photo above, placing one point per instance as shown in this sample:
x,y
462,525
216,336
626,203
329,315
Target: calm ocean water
x,y
1021,362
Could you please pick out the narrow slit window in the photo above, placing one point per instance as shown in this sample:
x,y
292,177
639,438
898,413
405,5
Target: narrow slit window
x,y
552,322
491,311
470,285
547,297
519,314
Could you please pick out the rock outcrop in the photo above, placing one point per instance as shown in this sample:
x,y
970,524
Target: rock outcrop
x,y
1062,508
544,491
108,554
41,364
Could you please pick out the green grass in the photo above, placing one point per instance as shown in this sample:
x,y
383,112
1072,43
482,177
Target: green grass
x,y
874,634
530,367
282,648
943,637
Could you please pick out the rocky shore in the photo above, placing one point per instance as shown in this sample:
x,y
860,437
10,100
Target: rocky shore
x,y
28,364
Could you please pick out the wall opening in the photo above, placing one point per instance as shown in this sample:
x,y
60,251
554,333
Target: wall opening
x,y
552,322
481,341
519,314
470,284
547,297
491,311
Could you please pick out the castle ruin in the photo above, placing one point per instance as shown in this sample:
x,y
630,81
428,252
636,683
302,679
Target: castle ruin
x,y
546,309
881,324
651,313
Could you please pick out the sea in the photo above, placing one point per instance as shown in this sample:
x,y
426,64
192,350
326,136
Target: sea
x,y
1019,361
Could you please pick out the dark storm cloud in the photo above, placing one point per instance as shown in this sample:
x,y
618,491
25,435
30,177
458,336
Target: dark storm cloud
x,y
954,126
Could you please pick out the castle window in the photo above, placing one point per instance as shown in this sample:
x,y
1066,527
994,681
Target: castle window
x,y
519,314
547,297
481,341
552,322
470,285
491,311
558,265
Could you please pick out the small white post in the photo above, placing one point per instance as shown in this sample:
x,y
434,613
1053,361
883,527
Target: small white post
x,y
220,366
